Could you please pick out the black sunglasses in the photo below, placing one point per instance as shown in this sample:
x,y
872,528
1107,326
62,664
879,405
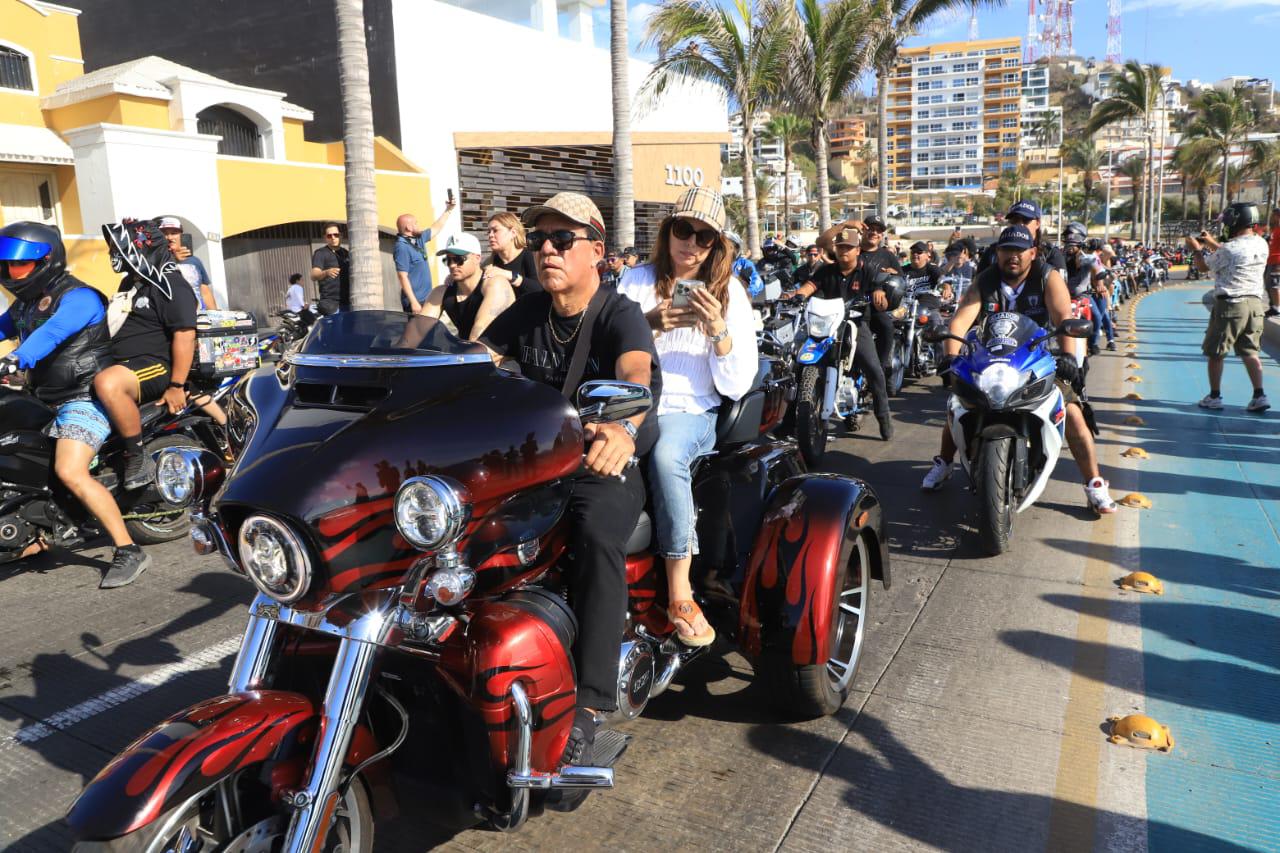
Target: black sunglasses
x,y
683,230
451,260
334,234
561,241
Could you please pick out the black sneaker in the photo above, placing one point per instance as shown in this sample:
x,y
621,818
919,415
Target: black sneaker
x,y
886,427
1093,349
139,470
1111,345
127,563
1273,312
582,738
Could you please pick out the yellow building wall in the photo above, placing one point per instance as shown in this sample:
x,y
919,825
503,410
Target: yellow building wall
x,y
260,193
43,36
112,109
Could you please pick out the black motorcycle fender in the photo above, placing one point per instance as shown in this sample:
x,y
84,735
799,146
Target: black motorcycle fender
x,y
1021,465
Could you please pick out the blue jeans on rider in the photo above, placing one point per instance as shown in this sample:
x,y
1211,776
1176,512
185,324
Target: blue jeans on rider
x,y
1101,322
682,438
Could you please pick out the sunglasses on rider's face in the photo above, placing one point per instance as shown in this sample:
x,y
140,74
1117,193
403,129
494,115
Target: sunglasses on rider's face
x,y
1016,219
561,241
704,237
333,234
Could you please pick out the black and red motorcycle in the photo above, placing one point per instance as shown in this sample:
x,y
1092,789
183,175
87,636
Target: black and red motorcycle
x,y
397,501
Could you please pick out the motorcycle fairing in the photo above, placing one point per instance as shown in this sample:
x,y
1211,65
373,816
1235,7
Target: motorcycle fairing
x,y
193,750
814,349
798,558
1049,415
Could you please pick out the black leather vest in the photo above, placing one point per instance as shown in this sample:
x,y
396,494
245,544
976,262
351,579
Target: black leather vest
x,y
1030,300
69,370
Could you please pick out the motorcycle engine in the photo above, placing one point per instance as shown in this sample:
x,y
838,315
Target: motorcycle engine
x,y
16,533
635,677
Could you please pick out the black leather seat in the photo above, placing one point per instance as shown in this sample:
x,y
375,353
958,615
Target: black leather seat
x,y
739,421
642,536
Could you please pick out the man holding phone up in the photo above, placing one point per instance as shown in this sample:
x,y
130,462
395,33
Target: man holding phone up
x,y
841,280
412,268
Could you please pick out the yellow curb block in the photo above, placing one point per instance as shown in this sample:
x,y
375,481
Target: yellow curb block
x,y
1133,379
1133,365
1135,500
1133,395
1136,453
1134,420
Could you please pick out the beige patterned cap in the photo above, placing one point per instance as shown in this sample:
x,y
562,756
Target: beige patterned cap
x,y
575,207
702,204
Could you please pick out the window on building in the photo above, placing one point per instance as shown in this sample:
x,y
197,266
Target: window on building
x,y
958,96
240,136
971,153
15,70
1009,108
971,140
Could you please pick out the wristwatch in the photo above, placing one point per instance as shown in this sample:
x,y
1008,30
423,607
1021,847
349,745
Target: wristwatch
x,y
630,428
181,386
715,339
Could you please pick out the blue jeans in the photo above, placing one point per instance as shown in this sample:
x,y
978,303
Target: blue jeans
x,y
1101,322
682,438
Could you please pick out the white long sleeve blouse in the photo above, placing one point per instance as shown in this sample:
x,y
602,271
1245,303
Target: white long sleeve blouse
x,y
694,378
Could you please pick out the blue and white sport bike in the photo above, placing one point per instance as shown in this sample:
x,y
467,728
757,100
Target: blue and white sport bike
x,y
827,386
1007,415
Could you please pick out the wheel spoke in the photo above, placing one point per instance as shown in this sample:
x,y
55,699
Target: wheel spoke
x,y
849,608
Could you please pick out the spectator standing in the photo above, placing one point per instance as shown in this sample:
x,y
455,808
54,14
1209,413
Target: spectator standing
x,y
1273,266
630,256
412,268
613,269
875,258
189,265
1235,320
510,256
331,271
294,299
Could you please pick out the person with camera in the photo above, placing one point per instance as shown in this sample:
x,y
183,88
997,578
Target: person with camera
x,y
1238,267
573,331
62,325
413,271
706,342
1022,283
845,279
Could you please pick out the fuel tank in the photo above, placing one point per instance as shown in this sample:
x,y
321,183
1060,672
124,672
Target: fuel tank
x,y
25,452
341,424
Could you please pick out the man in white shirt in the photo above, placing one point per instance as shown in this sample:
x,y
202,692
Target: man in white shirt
x,y
1235,321
294,299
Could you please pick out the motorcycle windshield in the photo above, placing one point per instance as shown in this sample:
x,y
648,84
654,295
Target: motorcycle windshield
x,y
1004,333
384,333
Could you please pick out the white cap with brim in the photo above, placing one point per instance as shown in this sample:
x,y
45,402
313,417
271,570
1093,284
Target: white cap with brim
x,y
461,244
170,222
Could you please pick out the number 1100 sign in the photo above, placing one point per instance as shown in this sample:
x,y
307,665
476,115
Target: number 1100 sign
x,y
684,176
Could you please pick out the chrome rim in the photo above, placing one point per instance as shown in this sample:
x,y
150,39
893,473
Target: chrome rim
x,y
346,835
850,621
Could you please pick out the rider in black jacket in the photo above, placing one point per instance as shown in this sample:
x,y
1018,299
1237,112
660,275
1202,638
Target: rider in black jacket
x,y
62,324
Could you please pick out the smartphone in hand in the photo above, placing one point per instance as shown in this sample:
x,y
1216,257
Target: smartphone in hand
x,y
449,195
684,286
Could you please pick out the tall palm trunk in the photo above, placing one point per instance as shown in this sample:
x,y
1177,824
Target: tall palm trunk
x,y
357,144
1202,196
1226,176
749,186
1182,182
624,201
822,148
882,136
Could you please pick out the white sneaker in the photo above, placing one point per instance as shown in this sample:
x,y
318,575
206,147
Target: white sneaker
x,y
1099,497
1258,404
938,474
1210,402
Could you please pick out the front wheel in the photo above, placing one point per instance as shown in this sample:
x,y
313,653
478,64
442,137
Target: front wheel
x,y
197,827
897,367
811,428
996,521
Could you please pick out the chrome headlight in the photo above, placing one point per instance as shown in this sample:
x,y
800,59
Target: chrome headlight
x,y
998,382
274,558
432,512
822,327
176,472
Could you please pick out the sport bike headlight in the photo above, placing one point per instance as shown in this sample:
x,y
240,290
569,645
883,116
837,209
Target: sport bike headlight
x,y
176,475
274,558
822,327
431,512
998,382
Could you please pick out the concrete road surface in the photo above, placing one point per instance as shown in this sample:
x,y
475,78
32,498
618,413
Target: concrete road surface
x,y
978,721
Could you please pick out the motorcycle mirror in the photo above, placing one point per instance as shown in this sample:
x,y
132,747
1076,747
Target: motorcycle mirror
x,y
1076,327
608,401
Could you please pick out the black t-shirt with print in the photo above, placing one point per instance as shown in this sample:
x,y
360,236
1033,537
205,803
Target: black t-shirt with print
x,y
524,265
928,275
153,318
523,332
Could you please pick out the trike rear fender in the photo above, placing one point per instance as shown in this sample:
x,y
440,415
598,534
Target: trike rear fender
x,y
806,537
195,749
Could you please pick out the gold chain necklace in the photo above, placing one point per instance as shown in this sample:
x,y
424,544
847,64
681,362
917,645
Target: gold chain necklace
x,y
551,327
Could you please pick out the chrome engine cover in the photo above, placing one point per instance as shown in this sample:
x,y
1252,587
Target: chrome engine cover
x,y
635,677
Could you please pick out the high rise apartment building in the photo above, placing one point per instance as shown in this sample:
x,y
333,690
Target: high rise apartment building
x,y
954,114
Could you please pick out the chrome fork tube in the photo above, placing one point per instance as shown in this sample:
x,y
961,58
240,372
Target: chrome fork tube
x,y
314,805
254,658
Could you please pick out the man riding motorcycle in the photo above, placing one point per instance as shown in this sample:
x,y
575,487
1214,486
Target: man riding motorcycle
x,y
153,348
841,280
543,333
62,323
1022,283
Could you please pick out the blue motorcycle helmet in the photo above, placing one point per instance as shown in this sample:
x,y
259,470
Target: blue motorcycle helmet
x,y
31,242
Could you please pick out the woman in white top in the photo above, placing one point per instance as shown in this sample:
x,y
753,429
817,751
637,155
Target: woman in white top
x,y
707,352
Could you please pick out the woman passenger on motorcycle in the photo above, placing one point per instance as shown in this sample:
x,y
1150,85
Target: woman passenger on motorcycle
x,y
707,352
471,297
510,258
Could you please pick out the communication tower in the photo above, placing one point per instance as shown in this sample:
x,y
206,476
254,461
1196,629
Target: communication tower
x,y
1056,25
1029,53
1113,31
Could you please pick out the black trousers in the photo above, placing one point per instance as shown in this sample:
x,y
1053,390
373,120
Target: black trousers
x,y
603,512
882,327
866,359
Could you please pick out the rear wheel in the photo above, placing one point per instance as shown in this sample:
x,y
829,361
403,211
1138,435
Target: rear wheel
x,y
817,690
811,429
995,496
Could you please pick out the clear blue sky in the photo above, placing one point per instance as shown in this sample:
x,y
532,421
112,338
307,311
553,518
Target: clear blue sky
x,y
1205,39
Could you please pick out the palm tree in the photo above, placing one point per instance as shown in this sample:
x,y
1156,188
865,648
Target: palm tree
x,y
742,48
787,130
833,44
1222,118
1196,161
896,21
1264,161
1135,94
624,197
1048,128
1082,155
1135,169
357,147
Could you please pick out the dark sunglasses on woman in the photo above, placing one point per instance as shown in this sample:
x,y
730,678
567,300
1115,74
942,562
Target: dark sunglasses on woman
x,y
681,229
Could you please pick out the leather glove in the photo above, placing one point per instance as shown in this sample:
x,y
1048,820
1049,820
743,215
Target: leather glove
x,y
944,369
1068,370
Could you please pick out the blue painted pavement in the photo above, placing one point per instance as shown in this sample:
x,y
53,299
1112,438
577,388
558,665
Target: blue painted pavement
x,y
1211,644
